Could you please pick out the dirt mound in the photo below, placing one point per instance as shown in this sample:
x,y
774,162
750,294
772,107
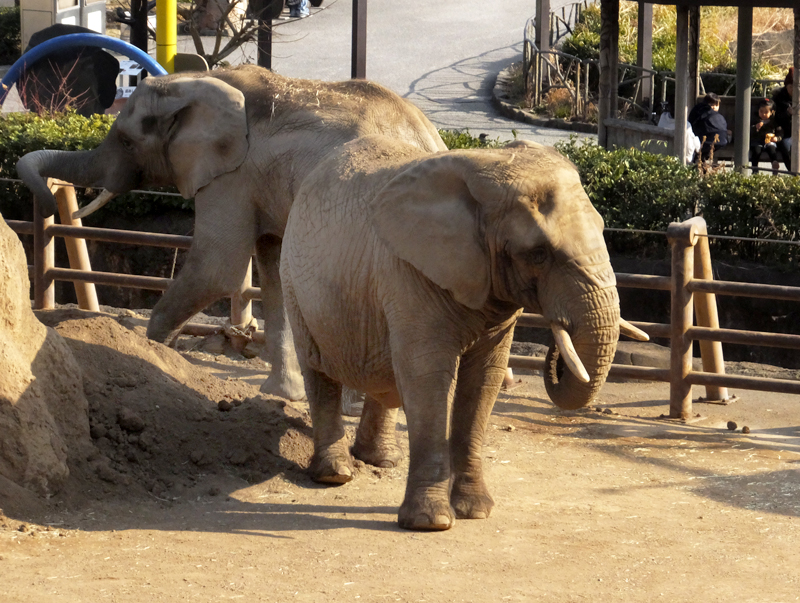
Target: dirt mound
x,y
161,426
43,418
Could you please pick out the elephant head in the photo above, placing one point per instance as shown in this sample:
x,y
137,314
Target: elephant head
x,y
174,130
513,225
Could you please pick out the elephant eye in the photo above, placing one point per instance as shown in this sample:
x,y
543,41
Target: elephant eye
x,y
537,255
126,143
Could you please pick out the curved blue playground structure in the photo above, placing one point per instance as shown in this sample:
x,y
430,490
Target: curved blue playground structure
x,y
70,41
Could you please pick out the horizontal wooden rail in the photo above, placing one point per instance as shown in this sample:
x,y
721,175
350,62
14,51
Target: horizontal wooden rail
x,y
152,283
774,340
643,281
764,384
129,237
745,289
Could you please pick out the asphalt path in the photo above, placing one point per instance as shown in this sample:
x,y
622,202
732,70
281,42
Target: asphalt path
x,y
443,55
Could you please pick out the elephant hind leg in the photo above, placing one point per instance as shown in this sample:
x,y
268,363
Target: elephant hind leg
x,y
376,439
331,463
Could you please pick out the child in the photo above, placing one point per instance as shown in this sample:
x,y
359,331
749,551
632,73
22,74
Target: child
x,y
762,135
707,122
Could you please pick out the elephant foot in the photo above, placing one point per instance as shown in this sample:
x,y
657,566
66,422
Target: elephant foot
x,y
290,387
471,500
425,513
332,465
382,452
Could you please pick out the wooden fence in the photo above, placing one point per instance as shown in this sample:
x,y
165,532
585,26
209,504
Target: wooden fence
x,y
691,285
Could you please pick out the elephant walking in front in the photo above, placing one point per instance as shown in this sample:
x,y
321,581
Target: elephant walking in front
x,y
403,275
241,142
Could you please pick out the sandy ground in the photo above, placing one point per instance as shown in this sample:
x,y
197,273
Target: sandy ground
x,y
189,500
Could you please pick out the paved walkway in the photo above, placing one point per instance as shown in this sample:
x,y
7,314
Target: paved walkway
x,y
444,56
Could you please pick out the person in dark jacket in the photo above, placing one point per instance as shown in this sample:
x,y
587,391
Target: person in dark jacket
x,y
783,117
707,123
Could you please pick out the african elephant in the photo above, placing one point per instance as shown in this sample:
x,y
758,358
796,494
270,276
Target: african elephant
x,y
403,275
241,141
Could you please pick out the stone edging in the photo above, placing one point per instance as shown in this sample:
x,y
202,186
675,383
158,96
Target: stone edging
x,y
500,94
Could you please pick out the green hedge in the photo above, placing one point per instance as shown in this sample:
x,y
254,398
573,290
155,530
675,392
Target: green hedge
x,y
631,189
21,133
10,38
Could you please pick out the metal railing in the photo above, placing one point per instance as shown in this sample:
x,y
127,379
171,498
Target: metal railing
x,y
691,286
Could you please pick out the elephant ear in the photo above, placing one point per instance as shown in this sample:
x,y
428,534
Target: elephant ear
x,y
429,218
211,134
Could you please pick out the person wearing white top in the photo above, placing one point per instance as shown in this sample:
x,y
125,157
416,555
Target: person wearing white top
x,y
667,121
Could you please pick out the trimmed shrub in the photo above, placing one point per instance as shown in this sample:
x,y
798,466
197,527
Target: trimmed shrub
x,y
10,38
634,189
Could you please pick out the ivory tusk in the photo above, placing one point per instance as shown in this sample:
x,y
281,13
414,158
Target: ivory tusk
x,y
104,197
568,352
626,328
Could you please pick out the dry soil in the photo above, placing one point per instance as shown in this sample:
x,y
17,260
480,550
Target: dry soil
x,y
196,491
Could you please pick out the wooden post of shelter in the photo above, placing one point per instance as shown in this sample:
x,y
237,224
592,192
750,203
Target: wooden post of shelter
x,y
795,159
542,40
744,87
609,66
681,81
358,68
693,62
644,54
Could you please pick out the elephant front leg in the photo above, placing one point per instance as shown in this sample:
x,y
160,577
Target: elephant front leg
x,y
285,378
331,463
480,377
427,396
376,438
215,267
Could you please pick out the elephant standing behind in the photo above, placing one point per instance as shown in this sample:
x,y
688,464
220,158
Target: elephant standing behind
x,y
241,141
404,274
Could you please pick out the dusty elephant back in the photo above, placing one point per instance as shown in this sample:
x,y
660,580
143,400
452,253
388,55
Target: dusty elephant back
x,y
358,107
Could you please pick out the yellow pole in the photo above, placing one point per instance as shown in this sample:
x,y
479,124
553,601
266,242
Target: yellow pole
x,y
167,33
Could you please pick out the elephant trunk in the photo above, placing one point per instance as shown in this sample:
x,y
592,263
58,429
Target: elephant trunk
x,y
84,168
594,330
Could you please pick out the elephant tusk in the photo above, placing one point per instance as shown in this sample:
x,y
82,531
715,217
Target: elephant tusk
x,y
568,352
626,328
104,197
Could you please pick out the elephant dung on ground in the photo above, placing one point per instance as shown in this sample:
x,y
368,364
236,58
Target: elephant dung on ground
x,y
241,141
404,273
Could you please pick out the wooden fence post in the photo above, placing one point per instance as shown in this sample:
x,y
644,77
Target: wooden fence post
x,y
44,292
705,305
76,248
682,237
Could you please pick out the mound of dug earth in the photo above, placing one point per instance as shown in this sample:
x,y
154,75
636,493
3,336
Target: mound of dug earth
x,y
161,426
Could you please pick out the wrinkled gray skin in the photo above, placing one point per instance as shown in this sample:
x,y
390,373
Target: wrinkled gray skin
x,y
241,141
403,275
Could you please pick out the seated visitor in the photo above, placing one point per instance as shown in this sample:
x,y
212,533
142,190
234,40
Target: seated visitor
x,y
707,123
763,134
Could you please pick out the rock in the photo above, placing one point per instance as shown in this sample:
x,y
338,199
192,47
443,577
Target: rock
x,y
98,431
224,405
745,429
129,420
44,418
732,425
